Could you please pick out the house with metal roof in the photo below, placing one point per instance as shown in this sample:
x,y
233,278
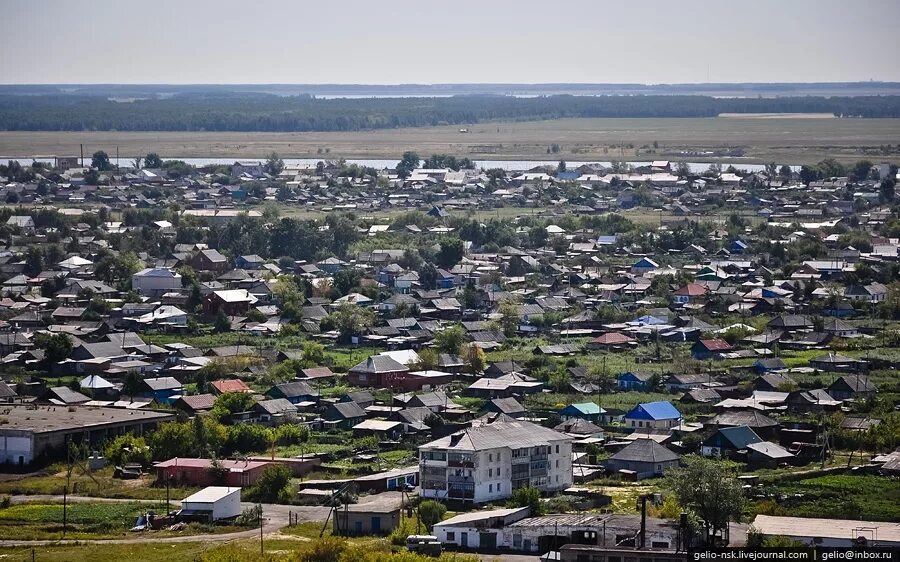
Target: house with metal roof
x,y
643,458
657,415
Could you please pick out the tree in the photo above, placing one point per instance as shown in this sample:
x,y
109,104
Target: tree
x,y
861,169
152,160
785,171
247,438
57,347
450,340
408,162
100,161
450,253
509,317
222,324
128,448
289,296
710,489
172,439
274,164
92,177
808,174
431,512
350,319
475,358
132,383
428,276
313,354
272,485
231,403
527,496
111,268
886,192
209,435
561,167
831,168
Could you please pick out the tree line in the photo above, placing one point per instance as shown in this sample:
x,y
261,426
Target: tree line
x,y
262,112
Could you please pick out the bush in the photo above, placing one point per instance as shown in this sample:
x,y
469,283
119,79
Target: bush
x,y
128,448
431,512
527,496
273,485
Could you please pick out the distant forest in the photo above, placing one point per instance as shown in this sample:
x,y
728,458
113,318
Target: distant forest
x,y
263,112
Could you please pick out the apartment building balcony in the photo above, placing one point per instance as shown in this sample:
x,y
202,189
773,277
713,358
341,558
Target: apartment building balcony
x,y
461,492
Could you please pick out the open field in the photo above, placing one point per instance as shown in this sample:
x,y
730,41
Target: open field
x,y
794,140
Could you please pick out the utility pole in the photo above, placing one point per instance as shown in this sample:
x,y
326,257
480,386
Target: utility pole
x,y
65,510
260,511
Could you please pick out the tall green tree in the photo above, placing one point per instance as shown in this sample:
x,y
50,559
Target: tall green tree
x,y
710,489
152,160
274,164
408,162
100,161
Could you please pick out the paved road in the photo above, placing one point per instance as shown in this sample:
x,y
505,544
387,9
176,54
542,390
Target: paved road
x,y
275,517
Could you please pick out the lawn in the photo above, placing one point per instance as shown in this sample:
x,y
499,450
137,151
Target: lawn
x,y
36,521
145,552
102,485
841,496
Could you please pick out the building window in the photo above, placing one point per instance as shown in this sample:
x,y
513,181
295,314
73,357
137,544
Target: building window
x,y
491,457
490,473
557,463
451,535
498,486
490,488
557,449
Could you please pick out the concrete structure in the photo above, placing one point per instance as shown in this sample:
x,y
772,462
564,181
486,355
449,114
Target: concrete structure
x,y
478,529
550,532
512,529
216,502
153,282
376,517
34,434
495,456
838,533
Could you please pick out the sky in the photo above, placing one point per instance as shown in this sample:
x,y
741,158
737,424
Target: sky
x,y
463,41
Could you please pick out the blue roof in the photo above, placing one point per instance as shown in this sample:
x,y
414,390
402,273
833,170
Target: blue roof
x,y
586,408
648,320
654,411
645,262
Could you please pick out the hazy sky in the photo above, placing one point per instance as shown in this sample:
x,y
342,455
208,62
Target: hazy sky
x,y
422,41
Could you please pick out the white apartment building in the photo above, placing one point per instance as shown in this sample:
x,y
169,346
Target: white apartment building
x,y
492,458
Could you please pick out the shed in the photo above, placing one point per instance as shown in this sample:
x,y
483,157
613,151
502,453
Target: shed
x,y
214,502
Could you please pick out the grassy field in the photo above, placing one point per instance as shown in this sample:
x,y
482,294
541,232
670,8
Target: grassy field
x,y
103,485
44,521
842,496
786,140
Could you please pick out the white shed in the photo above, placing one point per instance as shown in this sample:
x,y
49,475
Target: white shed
x,y
219,502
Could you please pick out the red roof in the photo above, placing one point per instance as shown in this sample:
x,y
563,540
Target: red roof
x,y
230,385
613,338
692,290
716,345
230,465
